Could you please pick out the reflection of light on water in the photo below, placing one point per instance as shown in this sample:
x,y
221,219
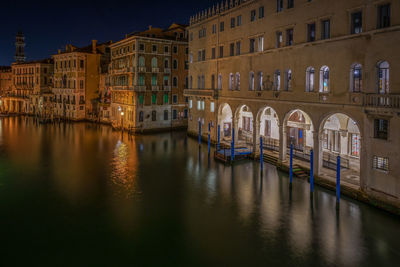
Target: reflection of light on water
x,y
124,165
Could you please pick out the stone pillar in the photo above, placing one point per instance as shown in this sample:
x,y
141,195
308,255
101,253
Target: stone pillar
x,y
256,137
282,142
318,155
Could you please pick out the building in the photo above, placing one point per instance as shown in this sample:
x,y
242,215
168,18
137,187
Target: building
x,y
20,48
77,79
148,75
104,112
312,74
29,80
5,80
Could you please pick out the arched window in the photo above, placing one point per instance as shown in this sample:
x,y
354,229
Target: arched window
x,y
231,81
213,81
288,80
356,78
277,80
175,82
165,115
153,115
141,116
251,81
259,81
154,63
383,77
64,81
237,82
198,82
324,79
203,82
166,63
190,82
141,61
175,64
219,81
310,73
186,82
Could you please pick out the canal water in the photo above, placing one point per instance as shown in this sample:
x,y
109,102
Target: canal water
x,y
80,194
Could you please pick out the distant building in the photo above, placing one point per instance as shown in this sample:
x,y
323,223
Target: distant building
x,y
19,48
5,80
77,79
148,75
311,74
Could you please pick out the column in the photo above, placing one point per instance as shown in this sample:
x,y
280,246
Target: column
x,y
317,153
256,141
282,142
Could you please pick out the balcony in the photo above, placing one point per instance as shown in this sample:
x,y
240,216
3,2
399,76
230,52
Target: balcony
x,y
167,87
120,87
155,70
382,100
155,88
142,69
81,102
140,88
201,92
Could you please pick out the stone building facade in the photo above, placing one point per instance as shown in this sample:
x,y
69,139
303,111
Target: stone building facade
x,y
76,80
5,80
148,74
312,74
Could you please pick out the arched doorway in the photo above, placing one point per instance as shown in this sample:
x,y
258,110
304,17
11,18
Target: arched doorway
x,y
244,121
299,133
225,122
340,136
269,128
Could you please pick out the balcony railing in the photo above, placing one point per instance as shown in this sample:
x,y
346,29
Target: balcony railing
x,y
142,69
155,88
382,100
140,88
167,70
167,87
155,70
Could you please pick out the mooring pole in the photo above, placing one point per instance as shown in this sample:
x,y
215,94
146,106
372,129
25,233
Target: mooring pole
x,y
338,182
261,154
233,145
311,172
291,164
199,132
209,138
218,135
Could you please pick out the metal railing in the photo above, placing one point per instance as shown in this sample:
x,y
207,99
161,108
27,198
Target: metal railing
x,y
330,161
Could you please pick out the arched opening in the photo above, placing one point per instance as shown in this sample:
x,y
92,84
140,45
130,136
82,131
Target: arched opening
x,y
340,136
244,118
310,73
269,128
383,77
225,122
356,78
299,133
324,79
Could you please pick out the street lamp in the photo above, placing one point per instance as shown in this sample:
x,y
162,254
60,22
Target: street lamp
x,y
122,121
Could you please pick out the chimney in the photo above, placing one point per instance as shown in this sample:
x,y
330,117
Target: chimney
x,y
94,45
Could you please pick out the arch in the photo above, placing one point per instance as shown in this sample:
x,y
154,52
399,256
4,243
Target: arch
x,y
340,135
225,121
383,84
268,128
310,79
244,125
356,78
324,79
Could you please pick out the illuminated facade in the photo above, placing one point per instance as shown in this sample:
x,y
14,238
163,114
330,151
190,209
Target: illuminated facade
x,y
148,73
312,74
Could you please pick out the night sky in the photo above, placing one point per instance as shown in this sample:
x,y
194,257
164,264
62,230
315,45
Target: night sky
x,y
49,25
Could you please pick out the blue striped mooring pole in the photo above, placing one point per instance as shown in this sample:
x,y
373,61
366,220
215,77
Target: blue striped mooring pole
x,y
312,171
261,154
233,145
209,138
338,182
218,134
199,132
291,164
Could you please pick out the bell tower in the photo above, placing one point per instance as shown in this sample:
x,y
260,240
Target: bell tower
x,y
20,47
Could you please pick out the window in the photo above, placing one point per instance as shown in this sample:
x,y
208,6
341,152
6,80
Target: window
x,y
289,37
175,82
214,28
288,80
310,79
278,39
356,23
154,48
166,63
383,16
191,36
213,81
277,80
290,4
141,80
191,82
141,61
259,81
165,99
141,47
175,64
174,114
324,79
153,99
239,20
81,64
199,55
260,46
154,79
219,85
325,29
202,105
232,49
212,107
237,82
311,32
381,129
185,113
81,84
153,115
231,81
166,80
252,45
356,78
141,116
190,103
380,163
166,49
260,12
198,105
251,81
221,51
279,5
252,15
233,23
238,44
141,100
213,53
221,26
154,62
383,77
175,49
165,115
